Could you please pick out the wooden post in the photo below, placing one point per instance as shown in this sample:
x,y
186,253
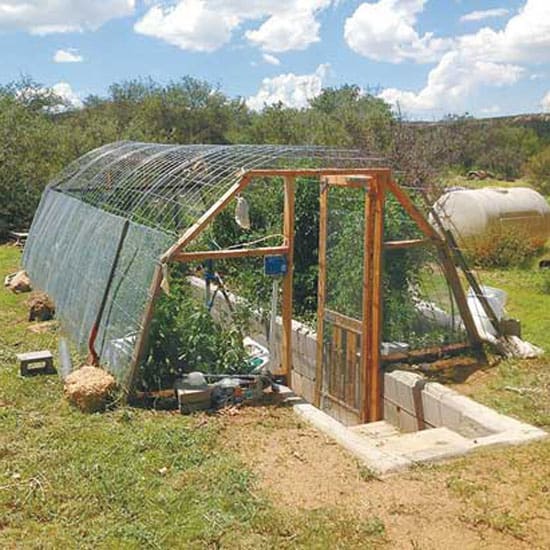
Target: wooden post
x,y
321,289
141,342
375,401
288,232
453,279
372,302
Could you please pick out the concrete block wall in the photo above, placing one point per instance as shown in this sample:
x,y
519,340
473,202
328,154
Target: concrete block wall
x,y
411,403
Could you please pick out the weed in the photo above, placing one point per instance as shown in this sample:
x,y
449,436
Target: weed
x,y
365,473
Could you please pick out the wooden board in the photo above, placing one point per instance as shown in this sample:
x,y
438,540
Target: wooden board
x,y
198,256
372,302
288,280
321,289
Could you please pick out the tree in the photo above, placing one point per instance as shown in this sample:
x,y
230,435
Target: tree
x,y
538,170
31,150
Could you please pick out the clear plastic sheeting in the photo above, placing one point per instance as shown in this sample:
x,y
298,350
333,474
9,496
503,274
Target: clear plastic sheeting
x,y
69,254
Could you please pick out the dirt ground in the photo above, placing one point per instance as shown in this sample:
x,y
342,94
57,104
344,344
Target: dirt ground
x,y
492,499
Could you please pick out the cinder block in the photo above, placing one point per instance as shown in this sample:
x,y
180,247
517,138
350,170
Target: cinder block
x,y
431,408
408,422
390,387
391,413
408,386
451,417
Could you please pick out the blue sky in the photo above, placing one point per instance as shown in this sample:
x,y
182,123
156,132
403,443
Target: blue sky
x,y
429,57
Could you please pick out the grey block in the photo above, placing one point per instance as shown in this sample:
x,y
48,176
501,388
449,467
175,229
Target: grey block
x,y
408,422
431,406
391,413
407,385
390,388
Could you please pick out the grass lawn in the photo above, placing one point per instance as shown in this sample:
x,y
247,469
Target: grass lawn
x,y
135,478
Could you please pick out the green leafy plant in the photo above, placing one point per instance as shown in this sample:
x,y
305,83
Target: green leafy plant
x,y
184,338
538,170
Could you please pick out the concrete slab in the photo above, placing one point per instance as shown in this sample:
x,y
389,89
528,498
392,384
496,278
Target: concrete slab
x,y
428,445
381,430
362,447
384,448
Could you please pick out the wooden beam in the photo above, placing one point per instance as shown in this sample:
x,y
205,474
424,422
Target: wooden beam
x,y
375,401
286,309
351,367
343,321
366,348
205,219
372,302
321,290
412,243
315,172
186,257
348,180
140,346
412,210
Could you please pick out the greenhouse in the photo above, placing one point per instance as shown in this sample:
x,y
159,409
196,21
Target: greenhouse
x,y
115,227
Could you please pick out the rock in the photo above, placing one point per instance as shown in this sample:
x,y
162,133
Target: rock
x,y
41,307
18,282
89,388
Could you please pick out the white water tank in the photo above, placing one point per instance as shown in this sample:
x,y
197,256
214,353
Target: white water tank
x,y
471,213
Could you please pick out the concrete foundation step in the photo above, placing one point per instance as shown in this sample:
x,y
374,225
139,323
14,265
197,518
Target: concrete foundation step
x,y
433,444
379,431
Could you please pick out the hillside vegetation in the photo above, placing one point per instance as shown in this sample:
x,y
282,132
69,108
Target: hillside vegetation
x,y
39,136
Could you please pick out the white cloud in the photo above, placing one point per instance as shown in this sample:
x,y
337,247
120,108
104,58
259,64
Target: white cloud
x,y
271,59
486,58
290,89
481,15
451,83
293,29
385,31
545,103
206,25
68,56
63,90
60,16
68,95
190,25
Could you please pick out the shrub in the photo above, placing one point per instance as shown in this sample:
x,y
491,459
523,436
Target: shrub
x,y
538,171
501,248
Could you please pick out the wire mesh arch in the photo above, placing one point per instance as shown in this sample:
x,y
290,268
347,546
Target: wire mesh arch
x,y
168,186
117,209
